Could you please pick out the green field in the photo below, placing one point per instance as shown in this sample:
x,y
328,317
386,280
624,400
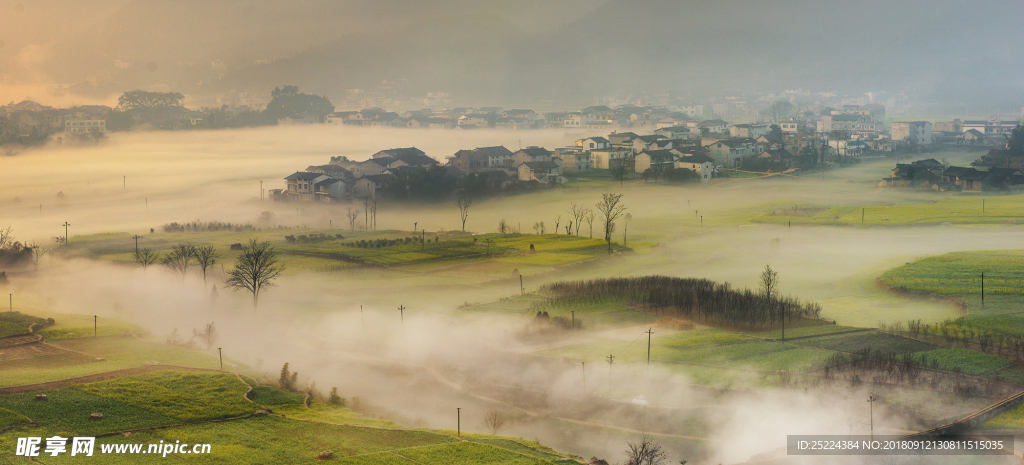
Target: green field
x,y
69,409
963,209
359,248
15,323
968,362
873,340
118,352
959,273
183,396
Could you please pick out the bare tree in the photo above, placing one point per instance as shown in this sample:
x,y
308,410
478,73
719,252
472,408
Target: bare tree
x,y
6,237
255,270
590,221
539,227
778,111
352,216
645,452
557,221
610,209
503,226
206,256
180,258
464,203
495,421
619,170
373,213
37,252
769,282
146,257
208,335
579,213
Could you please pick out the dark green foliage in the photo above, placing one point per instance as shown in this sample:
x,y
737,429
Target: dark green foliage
x,y
198,226
15,323
334,398
702,298
269,395
289,102
140,99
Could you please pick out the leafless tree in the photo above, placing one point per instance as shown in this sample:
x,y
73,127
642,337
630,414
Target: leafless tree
x,y
579,213
610,209
590,221
503,226
539,227
255,270
146,257
37,252
373,213
206,256
778,111
645,452
352,216
557,221
208,335
464,203
180,258
769,282
6,237
495,421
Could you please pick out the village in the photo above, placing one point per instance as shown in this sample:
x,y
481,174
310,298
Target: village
x,y
671,148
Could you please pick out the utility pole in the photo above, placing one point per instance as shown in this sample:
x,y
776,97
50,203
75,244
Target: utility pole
x,y
522,290
136,237
695,214
611,360
362,318
862,215
584,365
702,221
649,332
401,313
414,223
871,407
983,288
458,420
66,224
220,353
983,205
10,302
95,325
330,224
261,189
124,179
573,319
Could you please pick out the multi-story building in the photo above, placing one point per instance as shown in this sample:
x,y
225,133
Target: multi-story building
x,y
916,132
85,125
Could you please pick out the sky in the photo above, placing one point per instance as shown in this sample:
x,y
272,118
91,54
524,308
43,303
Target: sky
x,y
566,52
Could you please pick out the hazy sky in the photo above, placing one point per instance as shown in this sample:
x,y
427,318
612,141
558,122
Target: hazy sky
x,y
505,52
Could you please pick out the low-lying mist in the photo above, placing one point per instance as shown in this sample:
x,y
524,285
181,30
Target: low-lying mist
x,y
418,366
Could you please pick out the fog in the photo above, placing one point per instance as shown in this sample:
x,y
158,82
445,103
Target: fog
x,y
548,53
417,371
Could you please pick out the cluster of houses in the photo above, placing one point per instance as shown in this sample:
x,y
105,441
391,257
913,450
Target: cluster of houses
x,y
932,174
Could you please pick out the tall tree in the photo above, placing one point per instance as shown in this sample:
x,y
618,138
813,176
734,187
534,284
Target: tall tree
x,y
289,101
206,256
146,257
255,270
464,203
179,259
140,100
610,209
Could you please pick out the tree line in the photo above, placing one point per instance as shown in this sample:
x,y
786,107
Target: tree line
x,y
716,303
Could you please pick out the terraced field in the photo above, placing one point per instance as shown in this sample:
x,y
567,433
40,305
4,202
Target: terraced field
x,y
355,248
